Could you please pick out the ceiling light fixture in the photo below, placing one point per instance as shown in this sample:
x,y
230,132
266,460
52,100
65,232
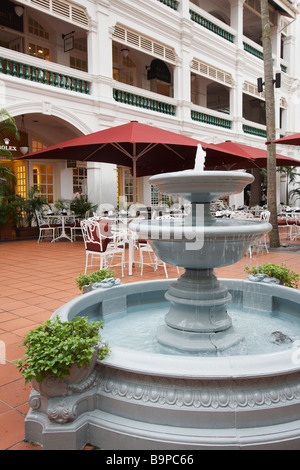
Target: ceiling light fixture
x,y
19,10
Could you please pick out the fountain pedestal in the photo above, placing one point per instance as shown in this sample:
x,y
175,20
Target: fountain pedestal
x,y
198,320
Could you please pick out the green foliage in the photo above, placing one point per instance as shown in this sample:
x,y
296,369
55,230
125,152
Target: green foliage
x,y
11,210
288,277
97,276
52,348
11,205
8,128
62,204
80,206
34,202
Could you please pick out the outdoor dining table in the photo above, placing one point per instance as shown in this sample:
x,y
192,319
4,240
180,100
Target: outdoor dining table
x,y
63,218
128,236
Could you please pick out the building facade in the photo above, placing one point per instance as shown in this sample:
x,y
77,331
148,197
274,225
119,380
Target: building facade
x,y
70,68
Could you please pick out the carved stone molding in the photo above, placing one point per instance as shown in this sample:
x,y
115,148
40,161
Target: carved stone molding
x,y
61,413
197,394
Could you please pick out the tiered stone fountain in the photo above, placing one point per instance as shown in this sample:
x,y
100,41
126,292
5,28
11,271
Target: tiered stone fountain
x,y
198,385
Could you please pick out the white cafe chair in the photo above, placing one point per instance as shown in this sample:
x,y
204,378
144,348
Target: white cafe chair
x,y
149,258
100,248
46,229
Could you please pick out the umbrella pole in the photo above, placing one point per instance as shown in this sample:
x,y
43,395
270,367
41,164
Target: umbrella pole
x,y
134,173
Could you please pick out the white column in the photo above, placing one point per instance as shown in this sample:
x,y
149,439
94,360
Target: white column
x,y
236,20
102,183
100,50
236,94
182,78
184,8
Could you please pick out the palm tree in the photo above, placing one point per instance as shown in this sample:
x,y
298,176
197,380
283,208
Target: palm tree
x,y
270,120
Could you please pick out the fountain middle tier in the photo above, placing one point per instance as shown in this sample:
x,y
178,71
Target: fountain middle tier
x,y
211,243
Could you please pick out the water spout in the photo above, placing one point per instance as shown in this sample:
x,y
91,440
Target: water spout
x,y
200,159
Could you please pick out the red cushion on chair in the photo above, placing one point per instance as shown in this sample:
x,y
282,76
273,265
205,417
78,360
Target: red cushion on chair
x,y
282,222
105,233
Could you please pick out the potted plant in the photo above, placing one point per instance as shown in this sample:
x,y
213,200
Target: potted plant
x,y
11,208
286,276
34,202
81,206
62,205
85,281
61,353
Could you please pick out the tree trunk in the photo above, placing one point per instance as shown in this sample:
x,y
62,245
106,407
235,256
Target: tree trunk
x,y
255,194
270,118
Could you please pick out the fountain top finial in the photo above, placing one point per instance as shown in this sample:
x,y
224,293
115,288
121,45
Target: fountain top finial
x,y
200,159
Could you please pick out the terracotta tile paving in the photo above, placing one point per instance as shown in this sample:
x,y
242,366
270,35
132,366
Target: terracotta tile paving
x,y
35,279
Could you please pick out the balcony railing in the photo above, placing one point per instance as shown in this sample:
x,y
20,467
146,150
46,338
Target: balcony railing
x,y
41,73
248,129
143,102
170,3
210,119
254,50
209,22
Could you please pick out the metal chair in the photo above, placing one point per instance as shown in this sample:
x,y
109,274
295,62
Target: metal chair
x,y
46,230
99,245
261,244
75,228
146,250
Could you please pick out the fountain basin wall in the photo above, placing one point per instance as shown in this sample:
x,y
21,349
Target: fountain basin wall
x,y
140,400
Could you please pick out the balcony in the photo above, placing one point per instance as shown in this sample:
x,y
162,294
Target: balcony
x,y
25,67
211,23
210,117
143,99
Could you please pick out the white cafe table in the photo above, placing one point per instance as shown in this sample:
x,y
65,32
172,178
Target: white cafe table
x,y
63,219
128,236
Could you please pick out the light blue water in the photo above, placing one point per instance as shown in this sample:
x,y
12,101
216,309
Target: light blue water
x,y
136,330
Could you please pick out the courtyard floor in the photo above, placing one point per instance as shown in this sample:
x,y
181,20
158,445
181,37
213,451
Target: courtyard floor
x,y
36,279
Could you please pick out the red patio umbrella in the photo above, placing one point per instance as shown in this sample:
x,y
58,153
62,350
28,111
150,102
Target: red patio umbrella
x,y
293,139
232,156
146,149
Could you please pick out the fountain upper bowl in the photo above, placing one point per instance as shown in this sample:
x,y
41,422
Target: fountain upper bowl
x,y
201,186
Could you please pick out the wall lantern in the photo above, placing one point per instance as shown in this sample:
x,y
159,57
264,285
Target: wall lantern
x,y
24,138
125,52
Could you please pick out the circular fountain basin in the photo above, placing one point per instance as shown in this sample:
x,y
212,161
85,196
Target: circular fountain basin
x,y
161,400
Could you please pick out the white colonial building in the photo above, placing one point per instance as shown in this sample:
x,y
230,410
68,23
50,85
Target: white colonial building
x,y
74,67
